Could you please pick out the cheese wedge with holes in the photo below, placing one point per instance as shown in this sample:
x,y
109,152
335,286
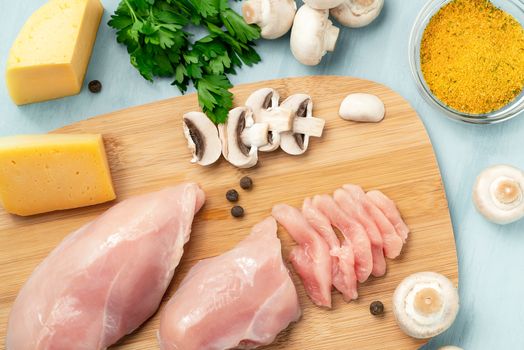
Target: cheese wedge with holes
x,y
42,173
49,57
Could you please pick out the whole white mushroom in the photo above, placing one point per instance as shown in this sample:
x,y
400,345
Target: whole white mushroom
x,y
361,107
323,4
498,194
312,35
425,304
357,13
274,17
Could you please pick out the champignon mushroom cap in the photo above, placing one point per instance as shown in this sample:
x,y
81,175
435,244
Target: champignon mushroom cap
x,y
425,304
274,17
361,107
259,101
296,141
236,151
498,194
357,13
202,138
312,35
323,4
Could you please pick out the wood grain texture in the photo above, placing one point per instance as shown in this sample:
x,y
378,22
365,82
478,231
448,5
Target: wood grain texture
x,y
147,151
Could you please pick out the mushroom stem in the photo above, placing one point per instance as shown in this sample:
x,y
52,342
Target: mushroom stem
x,y
279,119
331,36
255,135
308,126
252,11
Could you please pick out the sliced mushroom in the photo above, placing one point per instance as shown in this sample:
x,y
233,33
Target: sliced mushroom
x,y
425,304
241,137
357,13
296,141
361,107
498,194
202,138
312,35
274,17
262,100
323,4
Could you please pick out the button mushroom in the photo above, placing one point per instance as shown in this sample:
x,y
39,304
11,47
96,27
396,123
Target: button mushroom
x,y
361,107
425,304
357,13
296,141
312,35
323,4
262,100
202,138
498,194
274,17
241,137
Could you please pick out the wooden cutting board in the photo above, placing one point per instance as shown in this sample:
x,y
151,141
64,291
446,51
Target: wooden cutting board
x,y
147,151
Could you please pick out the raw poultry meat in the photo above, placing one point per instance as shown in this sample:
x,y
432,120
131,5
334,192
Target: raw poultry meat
x,y
108,277
384,225
342,257
390,210
371,229
354,210
351,230
240,299
311,258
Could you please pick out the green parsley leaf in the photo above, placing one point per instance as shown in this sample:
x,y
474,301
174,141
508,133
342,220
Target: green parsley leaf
x,y
158,42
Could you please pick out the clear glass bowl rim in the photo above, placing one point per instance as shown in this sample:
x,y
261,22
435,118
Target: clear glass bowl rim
x,y
426,13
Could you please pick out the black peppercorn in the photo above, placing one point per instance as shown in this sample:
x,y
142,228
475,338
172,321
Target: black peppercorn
x,y
232,195
95,86
376,308
237,211
246,183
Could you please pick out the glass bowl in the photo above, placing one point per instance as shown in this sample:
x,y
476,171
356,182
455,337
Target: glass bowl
x,y
513,7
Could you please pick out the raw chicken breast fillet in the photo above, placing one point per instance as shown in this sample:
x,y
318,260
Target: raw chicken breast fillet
x,y
240,299
355,210
311,258
351,230
108,277
342,257
392,242
390,210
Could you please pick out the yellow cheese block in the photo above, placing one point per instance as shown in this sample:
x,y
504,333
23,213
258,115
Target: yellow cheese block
x,y
50,55
42,173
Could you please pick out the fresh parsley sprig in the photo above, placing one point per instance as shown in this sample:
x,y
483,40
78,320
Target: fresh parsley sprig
x,y
155,34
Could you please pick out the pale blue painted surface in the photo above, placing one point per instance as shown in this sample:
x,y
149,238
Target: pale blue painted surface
x,y
491,257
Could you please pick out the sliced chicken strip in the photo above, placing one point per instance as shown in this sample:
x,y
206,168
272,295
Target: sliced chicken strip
x,y
351,230
390,210
352,210
342,257
392,241
311,258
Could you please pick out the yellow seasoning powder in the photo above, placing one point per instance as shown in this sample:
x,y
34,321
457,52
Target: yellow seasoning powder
x,y
472,56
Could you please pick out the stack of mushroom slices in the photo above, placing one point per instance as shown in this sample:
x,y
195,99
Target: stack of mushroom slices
x,y
261,125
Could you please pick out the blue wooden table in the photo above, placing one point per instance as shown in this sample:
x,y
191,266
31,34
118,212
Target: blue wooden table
x,y
491,257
